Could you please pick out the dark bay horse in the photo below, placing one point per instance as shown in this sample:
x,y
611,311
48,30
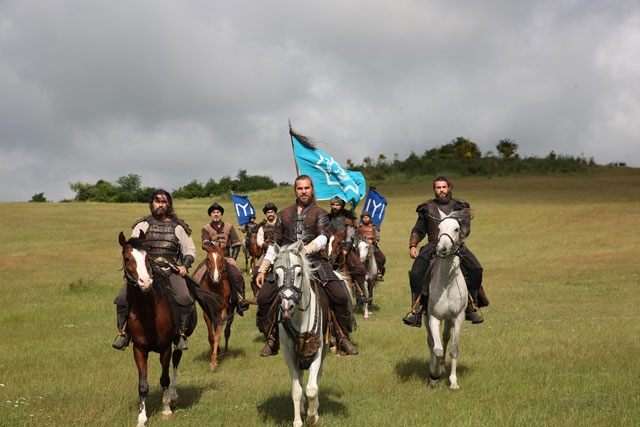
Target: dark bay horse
x,y
151,324
216,280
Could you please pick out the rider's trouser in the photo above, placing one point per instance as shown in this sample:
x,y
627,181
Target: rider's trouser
x,y
469,264
179,291
336,293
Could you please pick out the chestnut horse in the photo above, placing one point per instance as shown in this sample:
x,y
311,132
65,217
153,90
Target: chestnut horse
x,y
151,324
255,251
216,281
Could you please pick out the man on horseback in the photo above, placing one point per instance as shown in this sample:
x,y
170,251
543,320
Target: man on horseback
x,y
307,222
267,225
249,230
342,219
264,236
169,237
427,224
370,231
222,234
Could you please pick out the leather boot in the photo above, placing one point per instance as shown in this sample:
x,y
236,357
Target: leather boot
x,y
242,305
270,347
381,274
184,321
123,339
470,314
414,318
342,330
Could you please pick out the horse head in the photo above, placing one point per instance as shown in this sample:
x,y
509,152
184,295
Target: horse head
x,y
363,248
292,271
334,245
137,269
450,232
216,264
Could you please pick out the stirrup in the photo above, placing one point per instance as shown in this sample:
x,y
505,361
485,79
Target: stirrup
x,y
122,341
416,323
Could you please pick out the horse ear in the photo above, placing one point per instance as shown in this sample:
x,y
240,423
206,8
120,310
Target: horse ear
x,y
122,239
142,236
276,248
300,246
442,214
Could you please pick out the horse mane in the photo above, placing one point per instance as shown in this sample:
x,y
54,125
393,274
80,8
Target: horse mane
x,y
135,243
308,272
464,214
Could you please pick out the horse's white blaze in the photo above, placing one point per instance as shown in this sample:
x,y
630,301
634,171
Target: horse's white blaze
x,y
216,271
144,280
330,245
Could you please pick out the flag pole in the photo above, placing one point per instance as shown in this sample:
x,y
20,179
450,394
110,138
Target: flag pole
x,y
293,149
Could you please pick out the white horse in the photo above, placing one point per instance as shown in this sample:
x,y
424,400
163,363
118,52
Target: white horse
x,y
367,256
447,298
302,320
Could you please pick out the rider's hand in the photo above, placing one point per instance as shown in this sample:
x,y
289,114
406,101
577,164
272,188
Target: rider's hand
x,y
260,279
413,252
182,271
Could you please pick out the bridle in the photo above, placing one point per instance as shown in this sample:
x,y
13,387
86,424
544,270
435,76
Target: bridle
x,y
288,281
455,243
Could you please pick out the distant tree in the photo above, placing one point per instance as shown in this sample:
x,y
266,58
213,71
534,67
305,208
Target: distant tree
x,y
506,147
39,197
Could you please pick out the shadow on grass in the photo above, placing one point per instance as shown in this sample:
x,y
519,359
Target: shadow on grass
x,y
279,408
187,397
414,367
232,354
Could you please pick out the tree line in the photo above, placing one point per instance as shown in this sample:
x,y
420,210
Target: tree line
x,y
460,156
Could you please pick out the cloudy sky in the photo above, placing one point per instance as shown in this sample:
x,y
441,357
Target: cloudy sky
x,y
182,90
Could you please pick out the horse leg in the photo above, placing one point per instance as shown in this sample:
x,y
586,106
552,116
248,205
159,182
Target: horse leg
x,y
165,360
315,371
435,346
140,357
216,344
227,334
211,338
453,352
296,386
446,336
173,387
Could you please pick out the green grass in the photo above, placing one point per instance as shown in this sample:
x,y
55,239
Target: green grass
x,y
560,344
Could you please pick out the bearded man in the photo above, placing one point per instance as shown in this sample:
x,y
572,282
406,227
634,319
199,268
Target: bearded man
x,y
307,222
370,231
342,219
427,224
222,234
170,237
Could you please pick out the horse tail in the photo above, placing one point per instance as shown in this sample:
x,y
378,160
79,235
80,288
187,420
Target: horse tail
x,y
208,301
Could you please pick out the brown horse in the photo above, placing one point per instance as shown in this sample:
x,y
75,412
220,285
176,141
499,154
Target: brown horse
x,y
216,280
151,324
255,252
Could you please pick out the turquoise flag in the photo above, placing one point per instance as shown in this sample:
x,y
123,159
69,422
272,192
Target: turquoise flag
x,y
329,179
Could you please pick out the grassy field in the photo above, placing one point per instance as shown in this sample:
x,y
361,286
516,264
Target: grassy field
x,y
560,344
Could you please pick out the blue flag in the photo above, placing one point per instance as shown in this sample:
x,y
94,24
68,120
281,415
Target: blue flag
x,y
329,179
376,205
243,208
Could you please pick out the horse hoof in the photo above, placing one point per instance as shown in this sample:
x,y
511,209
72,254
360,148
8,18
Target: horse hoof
x,y
213,368
173,404
313,421
454,387
433,383
167,415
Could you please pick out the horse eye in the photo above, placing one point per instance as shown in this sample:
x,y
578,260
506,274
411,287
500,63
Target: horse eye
x,y
127,259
